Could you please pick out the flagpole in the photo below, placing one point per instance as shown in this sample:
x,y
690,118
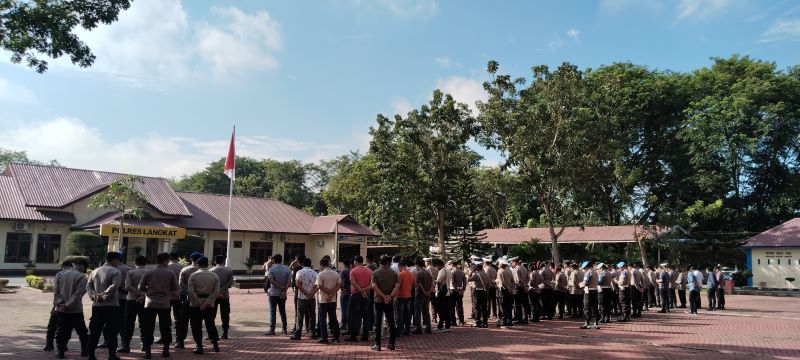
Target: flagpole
x,y
228,246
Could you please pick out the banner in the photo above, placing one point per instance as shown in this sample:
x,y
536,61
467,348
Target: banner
x,y
143,231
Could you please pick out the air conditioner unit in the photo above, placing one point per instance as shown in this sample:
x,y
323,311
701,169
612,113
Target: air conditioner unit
x,y
283,237
21,226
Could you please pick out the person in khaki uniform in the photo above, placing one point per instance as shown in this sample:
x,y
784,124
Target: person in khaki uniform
x,y
575,291
505,282
223,302
522,306
203,286
590,283
561,291
637,289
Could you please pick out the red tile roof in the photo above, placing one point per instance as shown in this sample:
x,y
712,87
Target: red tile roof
x,y
249,214
783,235
12,206
56,187
573,234
347,226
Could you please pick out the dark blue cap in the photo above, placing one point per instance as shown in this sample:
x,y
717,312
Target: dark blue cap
x,y
195,255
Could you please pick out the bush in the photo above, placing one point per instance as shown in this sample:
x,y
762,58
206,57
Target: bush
x,y
747,273
48,288
75,258
86,244
34,281
3,283
188,245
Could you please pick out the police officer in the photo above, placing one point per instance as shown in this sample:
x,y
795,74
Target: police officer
x,y
505,282
535,285
175,299
589,285
491,289
68,290
203,287
548,303
103,289
480,280
134,309
637,289
225,275
52,323
157,288
664,282
183,282
624,283
522,306
606,292
561,291
576,291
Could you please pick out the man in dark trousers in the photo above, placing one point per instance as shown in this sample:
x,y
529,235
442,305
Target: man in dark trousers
x,y
68,290
52,323
103,289
182,328
385,284
664,281
203,291
223,303
158,286
134,309
361,287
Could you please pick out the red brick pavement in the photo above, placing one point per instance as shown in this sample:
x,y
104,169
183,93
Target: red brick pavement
x,y
754,326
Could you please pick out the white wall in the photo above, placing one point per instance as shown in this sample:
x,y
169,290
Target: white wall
x,y
775,274
35,229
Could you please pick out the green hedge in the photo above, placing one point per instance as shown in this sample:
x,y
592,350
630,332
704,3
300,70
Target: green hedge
x,y
86,244
187,246
34,281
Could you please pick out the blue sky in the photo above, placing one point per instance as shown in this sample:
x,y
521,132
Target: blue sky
x,y
305,80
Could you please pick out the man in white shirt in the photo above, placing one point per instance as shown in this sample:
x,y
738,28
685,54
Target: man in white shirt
x,y
305,281
327,285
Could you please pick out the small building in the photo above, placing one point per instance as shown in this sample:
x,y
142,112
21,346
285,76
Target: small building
x,y
774,255
40,205
502,239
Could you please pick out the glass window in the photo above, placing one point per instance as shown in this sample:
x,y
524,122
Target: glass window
x,y
759,261
220,248
260,250
18,247
48,248
290,250
152,250
779,261
769,261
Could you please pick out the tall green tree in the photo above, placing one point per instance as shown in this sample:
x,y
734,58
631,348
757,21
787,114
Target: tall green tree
x,y
543,130
30,29
423,156
9,156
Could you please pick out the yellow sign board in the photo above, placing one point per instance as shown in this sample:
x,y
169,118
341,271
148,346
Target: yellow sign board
x,y
144,231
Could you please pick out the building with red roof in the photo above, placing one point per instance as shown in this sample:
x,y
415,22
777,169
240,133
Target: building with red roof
x,y
40,205
774,255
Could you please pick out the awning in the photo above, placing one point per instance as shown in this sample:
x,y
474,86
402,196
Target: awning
x,y
108,225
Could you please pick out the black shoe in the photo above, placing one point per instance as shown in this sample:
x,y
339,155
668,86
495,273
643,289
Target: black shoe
x,y
60,355
322,341
102,346
624,320
417,331
124,349
294,338
662,311
148,354
165,353
198,350
159,341
376,348
215,347
84,353
48,347
270,333
391,347
224,336
428,331
351,339
285,332
585,326
179,345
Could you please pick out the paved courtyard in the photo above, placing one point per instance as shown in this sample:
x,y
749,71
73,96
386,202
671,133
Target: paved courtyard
x,y
753,327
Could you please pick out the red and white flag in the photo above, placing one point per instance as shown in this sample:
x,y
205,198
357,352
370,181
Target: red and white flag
x,y
230,161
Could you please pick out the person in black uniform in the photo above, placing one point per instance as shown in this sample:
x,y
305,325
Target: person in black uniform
x,y
103,289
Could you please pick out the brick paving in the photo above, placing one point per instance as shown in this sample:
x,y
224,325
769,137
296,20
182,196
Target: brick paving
x,y
753,327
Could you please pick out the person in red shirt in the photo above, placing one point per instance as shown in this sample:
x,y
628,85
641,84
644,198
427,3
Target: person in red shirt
x,y
404,299
360,283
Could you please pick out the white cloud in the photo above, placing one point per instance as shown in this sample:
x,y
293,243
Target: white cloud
x,y
464,90
782,30
700,9
155,43
574,34
443,61
401,106
16,93
555,44
75,144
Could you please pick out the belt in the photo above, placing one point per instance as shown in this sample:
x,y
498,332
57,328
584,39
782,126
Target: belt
x,y
202,296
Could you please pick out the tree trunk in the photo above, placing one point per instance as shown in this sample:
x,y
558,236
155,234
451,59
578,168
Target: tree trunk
x,y
642,251
553,236
440,230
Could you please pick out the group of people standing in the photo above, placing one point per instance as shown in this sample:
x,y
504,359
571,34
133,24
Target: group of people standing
x,y
425,295
121,295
